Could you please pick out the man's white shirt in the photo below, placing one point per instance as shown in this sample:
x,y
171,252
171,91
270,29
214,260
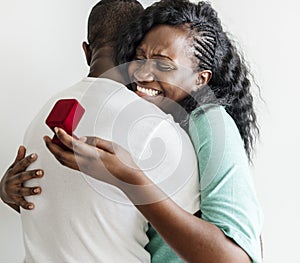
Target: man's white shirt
x,y
80,219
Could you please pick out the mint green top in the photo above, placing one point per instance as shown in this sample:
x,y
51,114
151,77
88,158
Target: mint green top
x,y
228,198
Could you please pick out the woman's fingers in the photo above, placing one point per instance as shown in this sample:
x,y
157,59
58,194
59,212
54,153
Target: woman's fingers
x,y
66,158
89,151
100,143
65,138
80,146
94,148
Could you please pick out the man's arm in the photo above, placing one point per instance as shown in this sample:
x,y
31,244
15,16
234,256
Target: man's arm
x,y
12,191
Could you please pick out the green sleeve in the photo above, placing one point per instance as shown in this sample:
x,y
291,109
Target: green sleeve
x,y
228,198
159,250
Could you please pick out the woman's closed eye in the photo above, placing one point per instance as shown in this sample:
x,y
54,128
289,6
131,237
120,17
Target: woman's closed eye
x,y
139,60
158,63
165,66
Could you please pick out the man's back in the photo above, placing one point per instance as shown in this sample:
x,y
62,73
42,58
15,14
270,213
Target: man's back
x,y
78,218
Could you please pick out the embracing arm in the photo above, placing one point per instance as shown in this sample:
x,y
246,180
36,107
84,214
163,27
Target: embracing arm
x,y
194,239
12,191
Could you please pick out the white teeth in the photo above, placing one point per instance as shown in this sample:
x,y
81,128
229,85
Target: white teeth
x,y
149,92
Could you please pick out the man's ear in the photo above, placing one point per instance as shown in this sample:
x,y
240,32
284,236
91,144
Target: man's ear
x,y
87,51
204,77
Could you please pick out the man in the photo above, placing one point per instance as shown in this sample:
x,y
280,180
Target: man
x,y
78,219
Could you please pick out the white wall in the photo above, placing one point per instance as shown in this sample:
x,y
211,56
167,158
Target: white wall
x,y
40,53
268,32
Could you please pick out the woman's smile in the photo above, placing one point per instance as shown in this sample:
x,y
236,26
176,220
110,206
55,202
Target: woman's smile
x,y
162,68
147,91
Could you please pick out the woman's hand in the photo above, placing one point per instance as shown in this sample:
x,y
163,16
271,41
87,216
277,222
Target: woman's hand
x,y
12,190
99,158
107,162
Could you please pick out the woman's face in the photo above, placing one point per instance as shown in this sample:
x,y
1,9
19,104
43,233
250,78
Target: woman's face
x,y
163,66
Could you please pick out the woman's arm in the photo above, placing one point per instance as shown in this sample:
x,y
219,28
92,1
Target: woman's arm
x,y
192,238
12,191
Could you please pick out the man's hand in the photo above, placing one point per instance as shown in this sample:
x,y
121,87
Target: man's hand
x,y
12,190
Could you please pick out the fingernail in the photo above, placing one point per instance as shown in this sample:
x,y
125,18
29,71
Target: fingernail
x,y
56,129
32,156
83,139
30,206
36,190
39,173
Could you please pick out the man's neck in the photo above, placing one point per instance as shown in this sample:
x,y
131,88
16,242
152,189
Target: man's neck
x,y
103,66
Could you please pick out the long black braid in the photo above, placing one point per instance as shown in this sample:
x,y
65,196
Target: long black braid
x,y
230,82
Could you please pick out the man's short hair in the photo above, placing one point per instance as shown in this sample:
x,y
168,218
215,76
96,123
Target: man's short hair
x,y
107,19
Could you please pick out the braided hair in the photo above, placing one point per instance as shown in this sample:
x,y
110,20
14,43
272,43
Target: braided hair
x,y
213,50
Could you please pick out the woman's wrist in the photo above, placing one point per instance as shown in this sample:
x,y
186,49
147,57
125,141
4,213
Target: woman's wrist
x,y
140,189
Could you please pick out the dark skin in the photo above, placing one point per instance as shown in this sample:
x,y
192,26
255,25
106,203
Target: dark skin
x,y
164,63
209,242
12,183
12,190
99,159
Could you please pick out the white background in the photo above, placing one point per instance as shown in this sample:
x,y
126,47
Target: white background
x,y
40,54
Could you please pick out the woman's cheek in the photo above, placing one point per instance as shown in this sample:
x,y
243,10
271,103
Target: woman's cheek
x,y
131,69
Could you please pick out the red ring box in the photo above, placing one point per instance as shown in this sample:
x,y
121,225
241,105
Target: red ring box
x,y
65,114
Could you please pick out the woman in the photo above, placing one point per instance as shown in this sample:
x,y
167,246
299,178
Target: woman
x,y
229,227
171,38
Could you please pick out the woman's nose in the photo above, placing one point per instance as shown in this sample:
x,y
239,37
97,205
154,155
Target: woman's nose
x,y
144,72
